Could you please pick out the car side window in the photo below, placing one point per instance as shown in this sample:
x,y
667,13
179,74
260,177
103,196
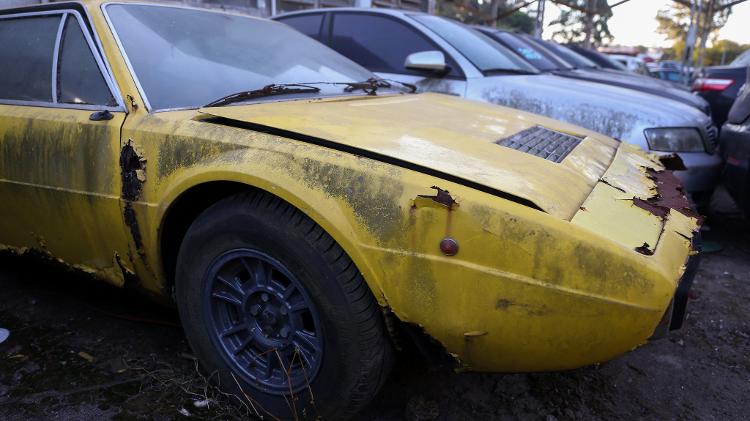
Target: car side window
x,y
307,24
80,80
378,43
26,52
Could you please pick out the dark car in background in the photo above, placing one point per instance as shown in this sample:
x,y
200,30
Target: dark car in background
x,y
562,61
719,85
735,148
602,60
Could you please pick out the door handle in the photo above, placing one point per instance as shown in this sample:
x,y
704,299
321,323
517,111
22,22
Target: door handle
x,y
101,116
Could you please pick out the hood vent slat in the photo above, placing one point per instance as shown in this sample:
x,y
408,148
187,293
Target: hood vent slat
x,y
542,142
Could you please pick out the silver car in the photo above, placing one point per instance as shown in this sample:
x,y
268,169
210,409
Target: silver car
x,y
440,55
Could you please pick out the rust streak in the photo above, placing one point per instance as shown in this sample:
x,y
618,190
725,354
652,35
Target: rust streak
x,y
443,197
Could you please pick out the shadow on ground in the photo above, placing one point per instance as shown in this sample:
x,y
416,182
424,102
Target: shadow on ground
x,y
81,350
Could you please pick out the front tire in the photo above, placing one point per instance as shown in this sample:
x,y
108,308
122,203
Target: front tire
x,y
277,309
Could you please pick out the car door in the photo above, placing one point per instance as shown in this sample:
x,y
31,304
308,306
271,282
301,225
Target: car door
x,y
59,143
381,44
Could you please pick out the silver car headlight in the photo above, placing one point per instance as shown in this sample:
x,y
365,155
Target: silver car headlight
x,y
675,139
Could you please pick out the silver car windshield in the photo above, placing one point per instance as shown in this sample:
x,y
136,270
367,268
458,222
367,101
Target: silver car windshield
x,y
186,58
487,55
569,55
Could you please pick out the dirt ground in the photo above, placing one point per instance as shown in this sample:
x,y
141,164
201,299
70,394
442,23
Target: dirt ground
x,y
80,350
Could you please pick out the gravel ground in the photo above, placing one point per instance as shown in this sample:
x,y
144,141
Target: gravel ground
x,y
80,350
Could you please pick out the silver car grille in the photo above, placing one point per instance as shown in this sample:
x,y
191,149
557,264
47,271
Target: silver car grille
x,y
542,142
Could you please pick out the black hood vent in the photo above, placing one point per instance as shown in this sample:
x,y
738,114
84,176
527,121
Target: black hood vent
x,y
542,142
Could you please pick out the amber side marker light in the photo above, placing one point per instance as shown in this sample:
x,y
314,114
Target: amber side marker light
x,y
449,246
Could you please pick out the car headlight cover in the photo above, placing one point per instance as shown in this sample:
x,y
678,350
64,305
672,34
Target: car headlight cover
x,y
675,139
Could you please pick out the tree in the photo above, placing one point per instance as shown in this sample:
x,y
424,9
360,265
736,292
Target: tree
x,y
583,22
504,13
723,52
518,21
674,21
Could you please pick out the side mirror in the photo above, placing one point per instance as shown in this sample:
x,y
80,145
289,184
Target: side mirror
x,y
432,61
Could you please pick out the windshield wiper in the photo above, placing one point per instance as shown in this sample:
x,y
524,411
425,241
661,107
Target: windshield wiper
x,y
268,90
370,86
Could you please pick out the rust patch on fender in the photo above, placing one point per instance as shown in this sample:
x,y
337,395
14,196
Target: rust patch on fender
x,y
442,197
645,249
504,304
672,162
133,175
669,196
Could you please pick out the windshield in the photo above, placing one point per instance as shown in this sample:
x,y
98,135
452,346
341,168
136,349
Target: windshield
x,y
185,58
480,50
539,45
742,60
526,50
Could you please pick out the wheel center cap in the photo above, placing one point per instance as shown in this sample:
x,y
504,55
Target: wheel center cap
x,y
269,316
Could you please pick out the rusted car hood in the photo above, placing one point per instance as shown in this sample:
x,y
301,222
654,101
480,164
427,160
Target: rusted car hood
x,y
449,135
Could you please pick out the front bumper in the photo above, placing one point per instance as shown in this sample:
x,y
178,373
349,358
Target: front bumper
x,y
676,313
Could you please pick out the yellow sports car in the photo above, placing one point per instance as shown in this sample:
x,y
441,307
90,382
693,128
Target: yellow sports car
x,y
300,212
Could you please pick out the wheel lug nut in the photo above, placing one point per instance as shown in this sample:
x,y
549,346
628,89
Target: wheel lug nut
x,y
264,297
284,332
283,310
254,310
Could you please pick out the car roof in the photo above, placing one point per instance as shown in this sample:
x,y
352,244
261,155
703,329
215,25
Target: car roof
x,y
86,5
5,10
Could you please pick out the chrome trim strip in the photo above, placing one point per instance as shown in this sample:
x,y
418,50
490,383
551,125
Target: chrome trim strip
x,y
109,75
125,55
45,104
102,69
28,14
56,56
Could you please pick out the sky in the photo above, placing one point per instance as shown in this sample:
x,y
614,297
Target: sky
x,y
634,23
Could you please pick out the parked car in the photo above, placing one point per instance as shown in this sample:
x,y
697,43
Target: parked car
x,y
735,147
293,205
719,85
602,60
664,70
667,73
440,55
669,64
633,64
567,63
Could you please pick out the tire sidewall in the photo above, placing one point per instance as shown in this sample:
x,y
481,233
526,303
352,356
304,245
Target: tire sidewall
x,y
232,227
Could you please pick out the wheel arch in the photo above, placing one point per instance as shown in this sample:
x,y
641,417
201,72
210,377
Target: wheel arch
x,y
191,201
